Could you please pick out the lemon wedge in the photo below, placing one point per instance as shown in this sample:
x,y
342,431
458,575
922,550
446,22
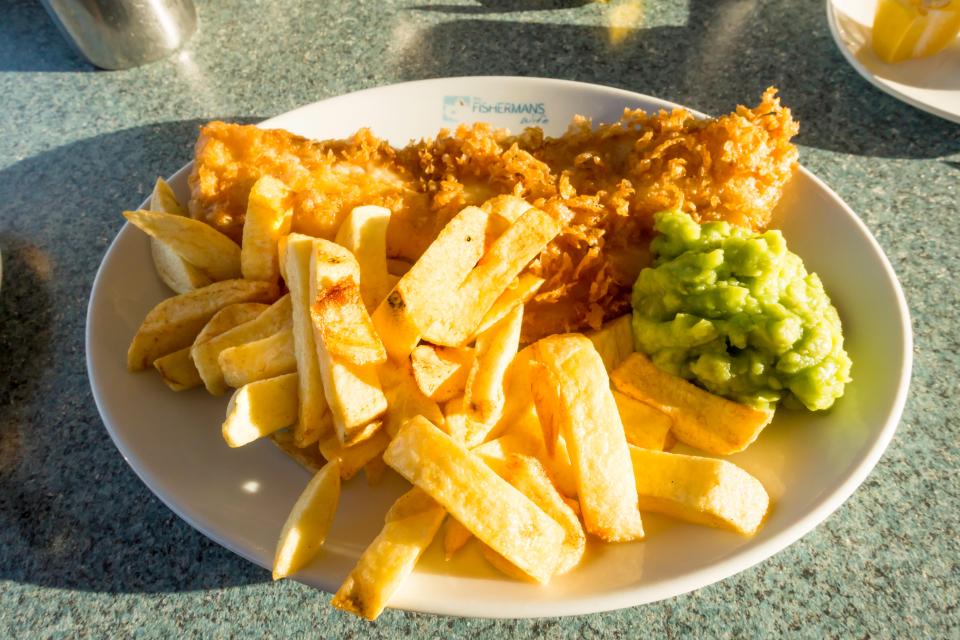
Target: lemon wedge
x,y
904,29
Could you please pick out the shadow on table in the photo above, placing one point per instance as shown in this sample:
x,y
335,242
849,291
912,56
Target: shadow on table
x,y
726,54
72,514
29,41
503,6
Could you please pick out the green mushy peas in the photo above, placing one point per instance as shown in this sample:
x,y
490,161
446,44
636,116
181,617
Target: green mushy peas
x,y
737,313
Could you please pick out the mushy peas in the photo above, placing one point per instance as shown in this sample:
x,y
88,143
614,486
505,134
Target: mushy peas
x,y
737,313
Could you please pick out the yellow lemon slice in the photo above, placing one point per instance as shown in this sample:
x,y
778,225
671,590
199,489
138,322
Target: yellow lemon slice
x,y
905,29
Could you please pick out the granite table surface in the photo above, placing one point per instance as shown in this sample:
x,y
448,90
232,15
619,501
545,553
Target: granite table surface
x,y
86,550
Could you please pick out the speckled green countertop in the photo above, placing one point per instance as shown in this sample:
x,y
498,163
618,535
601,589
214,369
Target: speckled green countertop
x,y
87,551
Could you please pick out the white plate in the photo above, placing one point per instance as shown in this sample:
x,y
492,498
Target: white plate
x,y
931,84
809,463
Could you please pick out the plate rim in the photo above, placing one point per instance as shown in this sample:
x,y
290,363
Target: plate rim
x,y
873,79
622,597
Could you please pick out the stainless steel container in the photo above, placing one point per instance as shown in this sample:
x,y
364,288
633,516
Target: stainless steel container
x,y
119,34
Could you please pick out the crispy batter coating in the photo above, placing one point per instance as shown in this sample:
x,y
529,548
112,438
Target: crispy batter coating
x,y
602,183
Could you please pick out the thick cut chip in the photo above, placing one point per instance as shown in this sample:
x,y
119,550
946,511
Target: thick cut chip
x,y
258,360
463,309
267,219
315,417
176,273
330,265
700,419
419,298
163,200
441,372
206,353
572,391
505,209
260,408
531,479
525,437
174,323
404,399
178,371
484,393
493,510
455,535
503,565
343,324
355,398
396,327
518,396
643,425
364,233
348,349
614,341
306,527
223,321
228,318
408,530
308,457
457,422
706,491
196,242
354,457
518,293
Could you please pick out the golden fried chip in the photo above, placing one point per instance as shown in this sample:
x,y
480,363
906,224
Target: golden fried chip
x,y
178,371
700,419
176,273
174,323
408,530
571,390
307,457
404,399
267,219
356,456
344,335
364,233
258,360
524,436
228,318
441,372
459,312
455,419
504,209
258,409
484,392
455,535
418,298
493,510
519,291
614,341
306,527
518,397
206,353
706,491
315,419
343,325
643,425
531,479
196,242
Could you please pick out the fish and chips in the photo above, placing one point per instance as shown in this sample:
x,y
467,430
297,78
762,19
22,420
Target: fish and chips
x,y
457,310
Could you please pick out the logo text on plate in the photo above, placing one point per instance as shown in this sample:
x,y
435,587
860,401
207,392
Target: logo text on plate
x,y
461,108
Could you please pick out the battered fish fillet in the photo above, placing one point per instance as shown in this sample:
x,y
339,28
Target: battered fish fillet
x,y
603,183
